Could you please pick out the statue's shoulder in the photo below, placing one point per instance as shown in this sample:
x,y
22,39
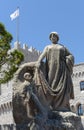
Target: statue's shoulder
x,y
47,47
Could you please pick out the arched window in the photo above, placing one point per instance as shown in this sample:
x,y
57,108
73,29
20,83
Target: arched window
x,y
79,74
82,85
82,73
80,110
76,75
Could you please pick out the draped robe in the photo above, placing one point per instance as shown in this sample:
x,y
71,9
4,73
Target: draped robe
x,y
59,65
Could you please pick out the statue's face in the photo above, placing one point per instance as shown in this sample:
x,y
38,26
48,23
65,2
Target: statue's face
x,y
28,77
54,38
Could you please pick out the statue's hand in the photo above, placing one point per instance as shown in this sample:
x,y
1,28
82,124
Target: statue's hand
x,y
38,64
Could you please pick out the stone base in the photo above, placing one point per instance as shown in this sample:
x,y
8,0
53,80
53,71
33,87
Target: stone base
x,y
55,121
58,121
65,121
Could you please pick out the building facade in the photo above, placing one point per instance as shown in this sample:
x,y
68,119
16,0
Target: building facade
x,y
31,54
77,105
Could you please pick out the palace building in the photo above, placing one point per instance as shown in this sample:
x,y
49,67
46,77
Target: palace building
x,y
77,105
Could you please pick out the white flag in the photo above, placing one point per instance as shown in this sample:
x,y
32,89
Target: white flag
x,y
14,15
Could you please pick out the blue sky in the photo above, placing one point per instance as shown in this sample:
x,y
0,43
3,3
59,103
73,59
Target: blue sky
x,y
40,17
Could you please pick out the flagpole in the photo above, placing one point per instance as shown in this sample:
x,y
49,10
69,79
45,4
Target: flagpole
x,y
15,15
17,27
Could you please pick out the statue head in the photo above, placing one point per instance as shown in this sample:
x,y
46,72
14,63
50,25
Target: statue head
x,y
28,76
54,36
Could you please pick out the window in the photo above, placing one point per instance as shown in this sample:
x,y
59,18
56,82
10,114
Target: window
x,y
82,85
80,110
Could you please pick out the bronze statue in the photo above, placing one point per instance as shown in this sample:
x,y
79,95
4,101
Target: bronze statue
x,y
59,66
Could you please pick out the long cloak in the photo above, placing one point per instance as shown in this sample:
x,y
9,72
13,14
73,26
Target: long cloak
x,y
58,76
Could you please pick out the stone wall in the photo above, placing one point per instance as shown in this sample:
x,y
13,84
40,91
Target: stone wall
x,y
77,77
6,104
30,54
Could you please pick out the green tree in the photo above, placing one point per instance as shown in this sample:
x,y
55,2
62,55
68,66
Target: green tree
x,y
9,61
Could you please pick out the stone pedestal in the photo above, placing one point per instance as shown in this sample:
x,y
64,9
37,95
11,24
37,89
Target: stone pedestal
x,y
58,121
55,121
65,121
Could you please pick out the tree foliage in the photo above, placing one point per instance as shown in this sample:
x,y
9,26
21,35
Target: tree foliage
x,y
9,60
